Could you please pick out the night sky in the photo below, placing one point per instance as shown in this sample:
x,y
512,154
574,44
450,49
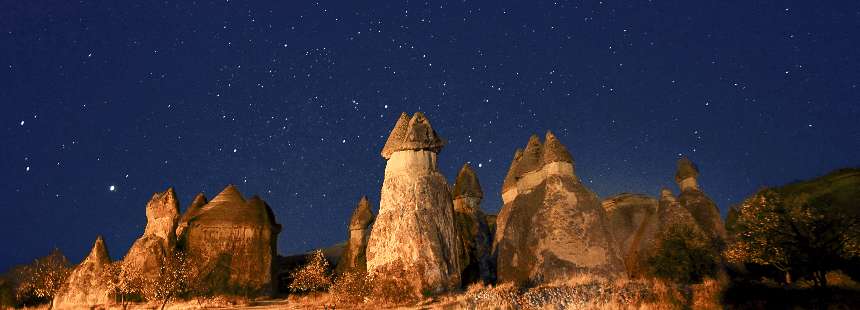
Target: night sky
x,y
103,105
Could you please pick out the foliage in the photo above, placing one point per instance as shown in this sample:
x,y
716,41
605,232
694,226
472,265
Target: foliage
x,y
395,287
42,279
170,281
313,276
799,236
123,281
684,256
351,287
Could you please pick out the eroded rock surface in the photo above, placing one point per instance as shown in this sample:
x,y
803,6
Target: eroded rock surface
x,y
472,227
551,226
700,206
634,222
147,253
85,288
233,242
354,257
414,235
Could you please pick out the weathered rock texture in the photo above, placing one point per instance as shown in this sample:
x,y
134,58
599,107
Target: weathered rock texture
x,y
551,225
85,289
472,227
414,234
233,242
354,257
633,220
147,253
192,211
701,207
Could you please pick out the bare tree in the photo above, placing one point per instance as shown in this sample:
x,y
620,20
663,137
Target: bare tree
x,y
44,277
170,281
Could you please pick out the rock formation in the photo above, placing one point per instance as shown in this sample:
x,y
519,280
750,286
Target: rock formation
x,y
414,233
192,211
634,222
472,227
551,225
701,207
354,256
232,243
84,288
147,253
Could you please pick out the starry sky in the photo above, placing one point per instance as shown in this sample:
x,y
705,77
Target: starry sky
x,y
105,103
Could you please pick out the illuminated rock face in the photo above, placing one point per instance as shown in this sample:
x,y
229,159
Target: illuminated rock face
x,y
472,227
551,226
354,258
233,242
84,289
414,234
147,253
633,221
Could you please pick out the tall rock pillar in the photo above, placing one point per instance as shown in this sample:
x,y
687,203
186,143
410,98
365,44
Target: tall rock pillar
x,y
414,236
472,227
700,206
354,257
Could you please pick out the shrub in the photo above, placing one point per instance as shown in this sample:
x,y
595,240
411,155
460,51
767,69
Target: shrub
x,y
684,257
313,276
351,287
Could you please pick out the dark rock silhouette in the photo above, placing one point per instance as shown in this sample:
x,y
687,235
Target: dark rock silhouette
x,y
354,256
472,227
701,207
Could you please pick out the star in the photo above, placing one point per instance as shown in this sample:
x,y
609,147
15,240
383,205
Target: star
x,y
112,188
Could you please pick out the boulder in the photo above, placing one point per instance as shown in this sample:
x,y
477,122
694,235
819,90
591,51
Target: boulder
x,y
232,243
414,235
147,253
633,222
551,226
700,206
354,256
85,287
472,227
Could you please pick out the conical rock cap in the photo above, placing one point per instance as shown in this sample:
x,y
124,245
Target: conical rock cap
x,y
467,184
554,151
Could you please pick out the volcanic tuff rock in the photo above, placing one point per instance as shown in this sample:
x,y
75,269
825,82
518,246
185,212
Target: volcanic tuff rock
x,y
233,242
701,207
414,234
472,227
551,226
84,287
192,211
354,256
634,222
159,237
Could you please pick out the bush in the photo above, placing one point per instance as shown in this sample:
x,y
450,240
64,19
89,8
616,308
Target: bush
x,y
313,276
351,287
684,257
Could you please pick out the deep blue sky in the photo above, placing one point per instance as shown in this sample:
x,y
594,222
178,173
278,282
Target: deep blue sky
x,y
294,101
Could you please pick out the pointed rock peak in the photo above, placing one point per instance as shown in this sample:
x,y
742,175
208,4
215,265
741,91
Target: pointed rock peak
x,y
162,205
198,201
99,253
532,156
554,151
511,177
686,169
229,194
361,216
421,136
397,135
467,184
